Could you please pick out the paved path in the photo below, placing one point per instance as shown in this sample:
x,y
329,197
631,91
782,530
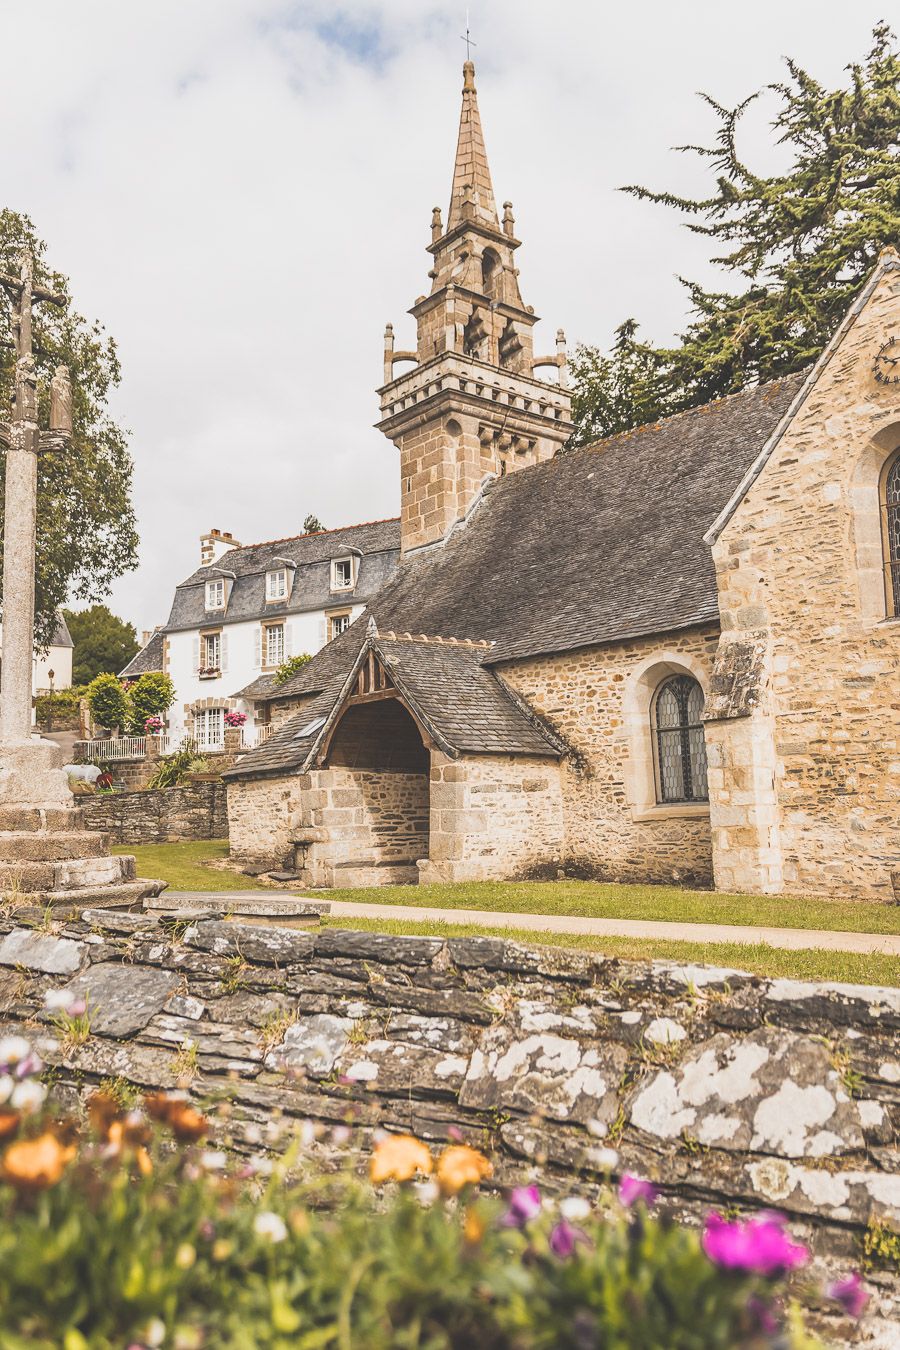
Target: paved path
x,y
794,939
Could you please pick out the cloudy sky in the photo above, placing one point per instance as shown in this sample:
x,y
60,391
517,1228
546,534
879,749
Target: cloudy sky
x,y
241,191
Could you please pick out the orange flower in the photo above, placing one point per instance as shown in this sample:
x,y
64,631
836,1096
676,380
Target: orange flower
x,y
473,1227
186,1123
103,1110
9,1123
33,1164
398,1158
460,1166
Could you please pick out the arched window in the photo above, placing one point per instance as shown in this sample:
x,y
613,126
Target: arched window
x,y
490,272
679,741
890,516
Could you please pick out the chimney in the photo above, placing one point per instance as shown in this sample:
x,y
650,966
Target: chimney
x,y
214,544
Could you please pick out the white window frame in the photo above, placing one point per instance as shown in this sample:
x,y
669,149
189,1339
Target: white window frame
x,y
209,728
208,640
350,563
277,584
215,594
268,631
344,618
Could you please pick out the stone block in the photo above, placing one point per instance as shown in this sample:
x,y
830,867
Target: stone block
x,y
41,952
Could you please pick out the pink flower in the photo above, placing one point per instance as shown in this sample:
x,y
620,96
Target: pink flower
x,y
633,1189
760,1245
524,1205
565,1238
851,1293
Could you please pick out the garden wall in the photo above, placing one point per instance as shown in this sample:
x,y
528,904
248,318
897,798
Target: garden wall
x,y
729,1090
197,811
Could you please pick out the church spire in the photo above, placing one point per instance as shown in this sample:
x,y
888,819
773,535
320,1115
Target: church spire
x,y
472,196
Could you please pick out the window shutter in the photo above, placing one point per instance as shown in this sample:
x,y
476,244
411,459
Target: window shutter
x,y
323,632
288,639
223,653
257,649
196,655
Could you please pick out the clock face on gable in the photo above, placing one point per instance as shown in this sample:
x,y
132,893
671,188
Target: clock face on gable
x,y
886,365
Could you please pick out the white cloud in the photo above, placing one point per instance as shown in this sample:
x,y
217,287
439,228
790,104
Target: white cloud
x,y
241,191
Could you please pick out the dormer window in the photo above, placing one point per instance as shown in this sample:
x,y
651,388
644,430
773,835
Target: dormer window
x,y
342,578
276,584
215,594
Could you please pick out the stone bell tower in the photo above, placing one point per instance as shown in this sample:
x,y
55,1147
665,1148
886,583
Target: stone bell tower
x,y
470,406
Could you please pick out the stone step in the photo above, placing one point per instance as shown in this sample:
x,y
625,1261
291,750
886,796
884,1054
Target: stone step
x,y
383,874
34,818
69,904
66,874
30,846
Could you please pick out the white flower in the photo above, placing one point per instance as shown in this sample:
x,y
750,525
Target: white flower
x,y
213,1160
598,1129
426,1192
262,1165
252,1133
14,1048
604,1158
271,1226
6,1086
61,1000
154,1332
575,1208
28,1096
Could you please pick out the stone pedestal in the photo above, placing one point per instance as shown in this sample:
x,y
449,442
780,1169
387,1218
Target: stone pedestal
x,y
31,774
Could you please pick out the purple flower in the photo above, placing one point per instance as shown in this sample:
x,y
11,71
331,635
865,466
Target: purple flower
x,y
565,1238
760,1245
763,1315
850,1293
632,1189
524,1205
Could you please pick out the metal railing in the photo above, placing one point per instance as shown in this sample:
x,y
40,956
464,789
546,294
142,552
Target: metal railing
x,y
123,747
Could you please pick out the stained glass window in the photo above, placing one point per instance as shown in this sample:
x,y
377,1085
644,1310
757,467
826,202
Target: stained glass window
x,y
680,744
891,507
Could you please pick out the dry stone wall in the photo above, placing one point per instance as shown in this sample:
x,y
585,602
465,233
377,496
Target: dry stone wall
x,y
726,1089
198,811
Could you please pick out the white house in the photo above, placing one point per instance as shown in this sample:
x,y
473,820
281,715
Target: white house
x,y
246,610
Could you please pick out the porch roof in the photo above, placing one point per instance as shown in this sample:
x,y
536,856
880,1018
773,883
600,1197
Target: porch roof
x,y
463,707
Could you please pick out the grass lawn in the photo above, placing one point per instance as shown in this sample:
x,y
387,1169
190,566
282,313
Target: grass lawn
x,y
847,967
179,864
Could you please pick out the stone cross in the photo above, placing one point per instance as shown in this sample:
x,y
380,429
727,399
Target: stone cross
x,y
29,768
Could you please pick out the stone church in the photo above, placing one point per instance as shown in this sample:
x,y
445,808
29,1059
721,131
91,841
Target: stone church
x,y
671,655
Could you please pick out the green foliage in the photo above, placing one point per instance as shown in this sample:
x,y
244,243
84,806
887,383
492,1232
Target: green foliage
x,y
108,702
881,1245
86,535
174,769
135,1244
103,642
291,667
313,525
62,703
799,244
150,696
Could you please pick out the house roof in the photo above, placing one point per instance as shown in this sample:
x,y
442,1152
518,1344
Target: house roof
x,y
149,659
378,542
61,635
463,706
599,545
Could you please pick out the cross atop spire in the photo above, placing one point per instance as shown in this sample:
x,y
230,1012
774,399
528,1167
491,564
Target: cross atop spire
x,y
472,196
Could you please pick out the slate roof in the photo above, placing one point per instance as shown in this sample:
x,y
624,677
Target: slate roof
x,y
599,545
464,706
61,635
149,659
378,541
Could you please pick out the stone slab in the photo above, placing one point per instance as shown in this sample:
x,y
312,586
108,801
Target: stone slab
x,y
123,998
42,952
